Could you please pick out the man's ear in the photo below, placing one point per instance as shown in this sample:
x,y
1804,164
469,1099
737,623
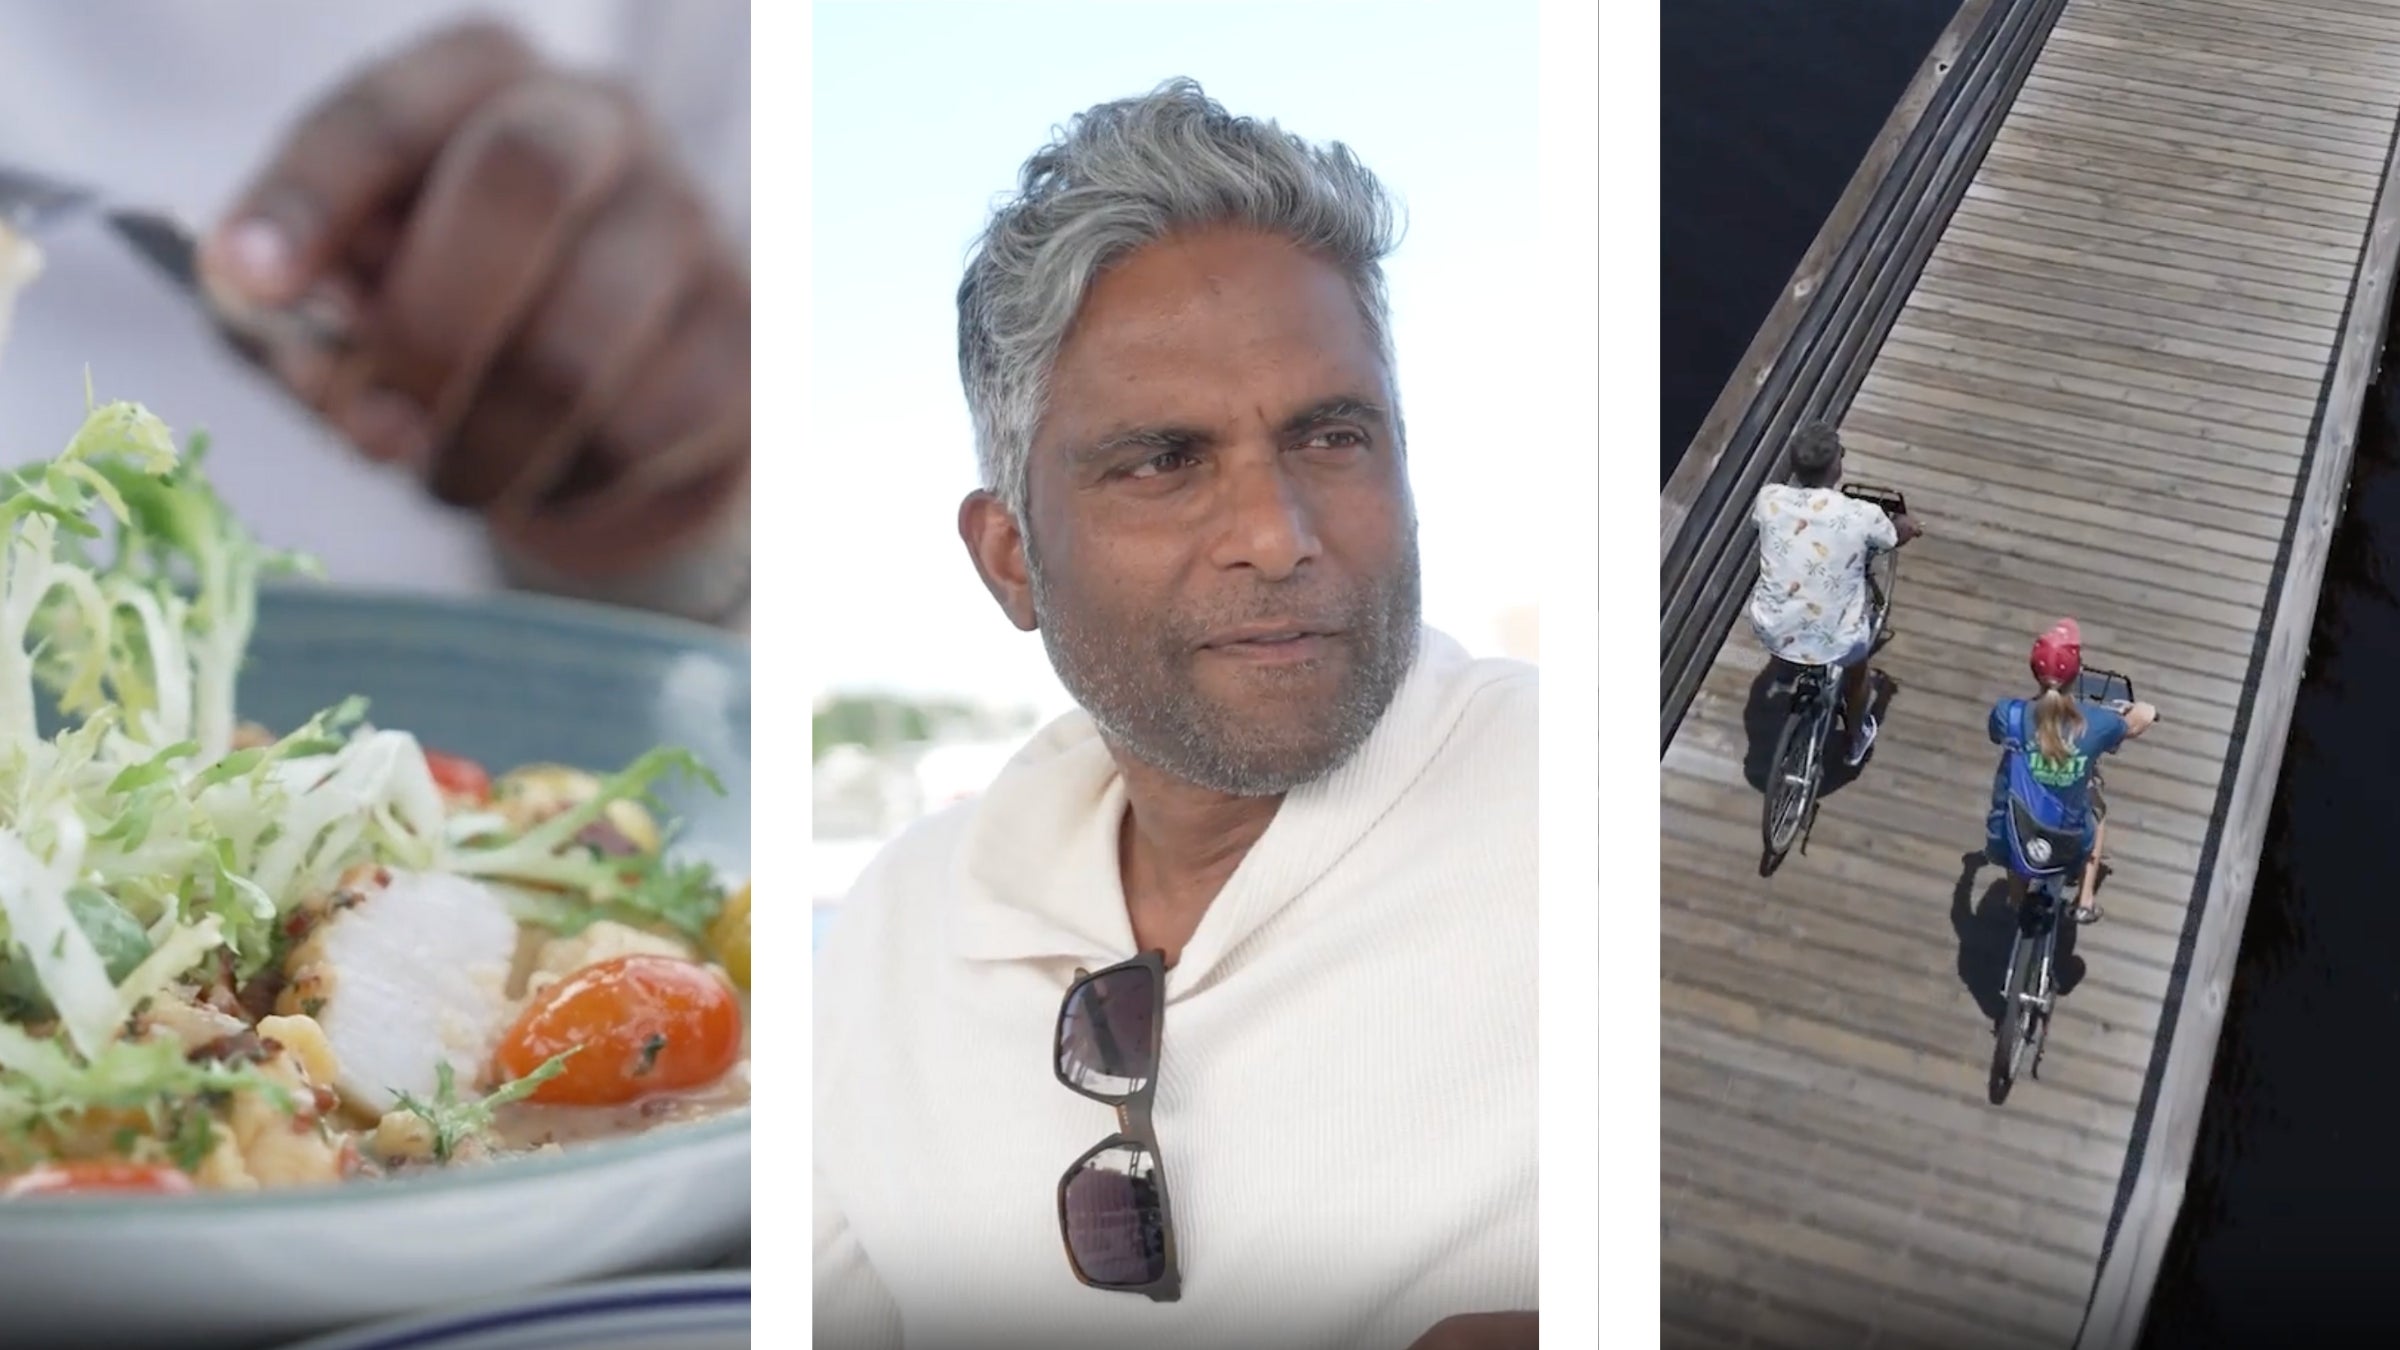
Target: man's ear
x,y
997,547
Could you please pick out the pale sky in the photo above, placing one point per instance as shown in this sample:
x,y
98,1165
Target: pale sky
x,y
923,113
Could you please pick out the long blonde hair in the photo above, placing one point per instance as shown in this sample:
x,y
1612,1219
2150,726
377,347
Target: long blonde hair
x,y
2057,724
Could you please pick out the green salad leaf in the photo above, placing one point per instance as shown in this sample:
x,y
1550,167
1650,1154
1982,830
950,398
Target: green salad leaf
x,y
454,1121
138,844
137,840
564,885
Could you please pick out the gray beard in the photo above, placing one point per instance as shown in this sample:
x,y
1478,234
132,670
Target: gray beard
x,y
1138,690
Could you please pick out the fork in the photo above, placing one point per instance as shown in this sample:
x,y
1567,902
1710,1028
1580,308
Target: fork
x,y
33,203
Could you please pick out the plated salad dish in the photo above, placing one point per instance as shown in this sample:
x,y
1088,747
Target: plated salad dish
x,y
236,958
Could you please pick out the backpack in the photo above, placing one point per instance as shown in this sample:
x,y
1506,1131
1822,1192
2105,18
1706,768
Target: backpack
x,y
2044,833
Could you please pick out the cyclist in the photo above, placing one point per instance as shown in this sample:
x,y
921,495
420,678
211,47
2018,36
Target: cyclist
x,y
1811,606
2050,747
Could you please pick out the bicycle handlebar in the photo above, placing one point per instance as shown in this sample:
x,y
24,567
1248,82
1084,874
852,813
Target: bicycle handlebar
x,y
1889,499
2101,686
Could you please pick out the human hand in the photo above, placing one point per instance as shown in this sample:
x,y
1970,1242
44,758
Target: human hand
x,y
1483,1331
545,323
1906,527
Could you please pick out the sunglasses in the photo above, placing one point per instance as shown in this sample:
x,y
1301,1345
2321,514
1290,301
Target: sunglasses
x,y
1112,1204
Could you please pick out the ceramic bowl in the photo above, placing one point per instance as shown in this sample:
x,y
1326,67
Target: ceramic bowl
x,y
674,1312
507,680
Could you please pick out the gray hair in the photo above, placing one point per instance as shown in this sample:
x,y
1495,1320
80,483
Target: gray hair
x,y
1123,175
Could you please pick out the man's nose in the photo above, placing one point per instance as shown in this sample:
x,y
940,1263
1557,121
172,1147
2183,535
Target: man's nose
x,y
1267,523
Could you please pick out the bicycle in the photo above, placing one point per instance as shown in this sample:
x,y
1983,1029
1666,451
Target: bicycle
x,y
1798,770
2046,860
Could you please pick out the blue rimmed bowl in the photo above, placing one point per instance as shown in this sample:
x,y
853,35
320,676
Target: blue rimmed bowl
x,y
675,1312
507,680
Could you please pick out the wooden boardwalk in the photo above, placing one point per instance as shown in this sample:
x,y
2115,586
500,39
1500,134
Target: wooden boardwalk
x,y
2124,387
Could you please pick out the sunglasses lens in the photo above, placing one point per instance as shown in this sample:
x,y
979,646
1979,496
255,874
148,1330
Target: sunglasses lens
x,y
1116,1217
1107,1033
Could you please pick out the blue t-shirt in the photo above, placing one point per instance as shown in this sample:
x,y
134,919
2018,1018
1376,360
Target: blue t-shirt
x,y
2103,730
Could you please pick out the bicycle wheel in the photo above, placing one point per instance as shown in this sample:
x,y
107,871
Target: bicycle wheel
x,y
1794,780
2017,1012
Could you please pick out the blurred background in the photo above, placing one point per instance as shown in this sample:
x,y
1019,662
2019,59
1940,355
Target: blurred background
x,y
172,105
923,113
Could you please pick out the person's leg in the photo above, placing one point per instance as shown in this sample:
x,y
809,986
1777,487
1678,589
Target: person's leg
x,y
1858,682
2087,909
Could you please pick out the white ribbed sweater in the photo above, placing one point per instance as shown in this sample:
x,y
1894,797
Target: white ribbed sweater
x,y
1347,1104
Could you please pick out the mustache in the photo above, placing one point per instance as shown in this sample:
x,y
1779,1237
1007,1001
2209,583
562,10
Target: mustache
x,y
1322,609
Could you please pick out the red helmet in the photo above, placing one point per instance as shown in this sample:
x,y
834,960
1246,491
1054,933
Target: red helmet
x,y
2058,654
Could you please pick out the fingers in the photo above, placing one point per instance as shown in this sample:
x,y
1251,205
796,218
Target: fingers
x,y
667,454
663,427
545,322
504,212
358,154
610,300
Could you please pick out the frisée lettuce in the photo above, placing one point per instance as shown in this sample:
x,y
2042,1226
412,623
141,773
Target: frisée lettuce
x,y
138,842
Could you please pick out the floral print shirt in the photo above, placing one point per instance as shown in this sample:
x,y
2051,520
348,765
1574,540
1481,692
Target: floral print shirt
x,y
1810,604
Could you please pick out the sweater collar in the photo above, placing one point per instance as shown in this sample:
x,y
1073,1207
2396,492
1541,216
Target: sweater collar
x,y
1038,875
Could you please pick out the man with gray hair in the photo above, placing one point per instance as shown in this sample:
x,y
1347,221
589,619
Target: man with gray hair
x,y
1270,893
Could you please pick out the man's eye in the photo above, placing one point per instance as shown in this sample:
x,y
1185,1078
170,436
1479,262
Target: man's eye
x,y
1336,439
1165,461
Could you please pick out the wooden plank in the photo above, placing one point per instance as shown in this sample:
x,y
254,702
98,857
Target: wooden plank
x,y
1698,1314
2319,172
2042,156
2193,30
1728,1158
2236,441
2179,105
2091,477
1953,1113
1972,276
2143,368
1966,947
1926,1008
1694,1083
2125,224
1929,836
1907,1288
2094,318
1700,1254
2372,22
2302,295
1948,651
2371,25
1854,869
2070,37
1942,437
1935,1015
2039,506
2207,457
2236,91
2199,300
2145,629
2232,90
2122,1294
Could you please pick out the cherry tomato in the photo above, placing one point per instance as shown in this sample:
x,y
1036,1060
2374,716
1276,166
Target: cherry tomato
x,y
98,1176
645,1024
459,776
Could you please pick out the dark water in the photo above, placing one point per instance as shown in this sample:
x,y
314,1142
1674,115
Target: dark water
x,y
1765,109
2291,1222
